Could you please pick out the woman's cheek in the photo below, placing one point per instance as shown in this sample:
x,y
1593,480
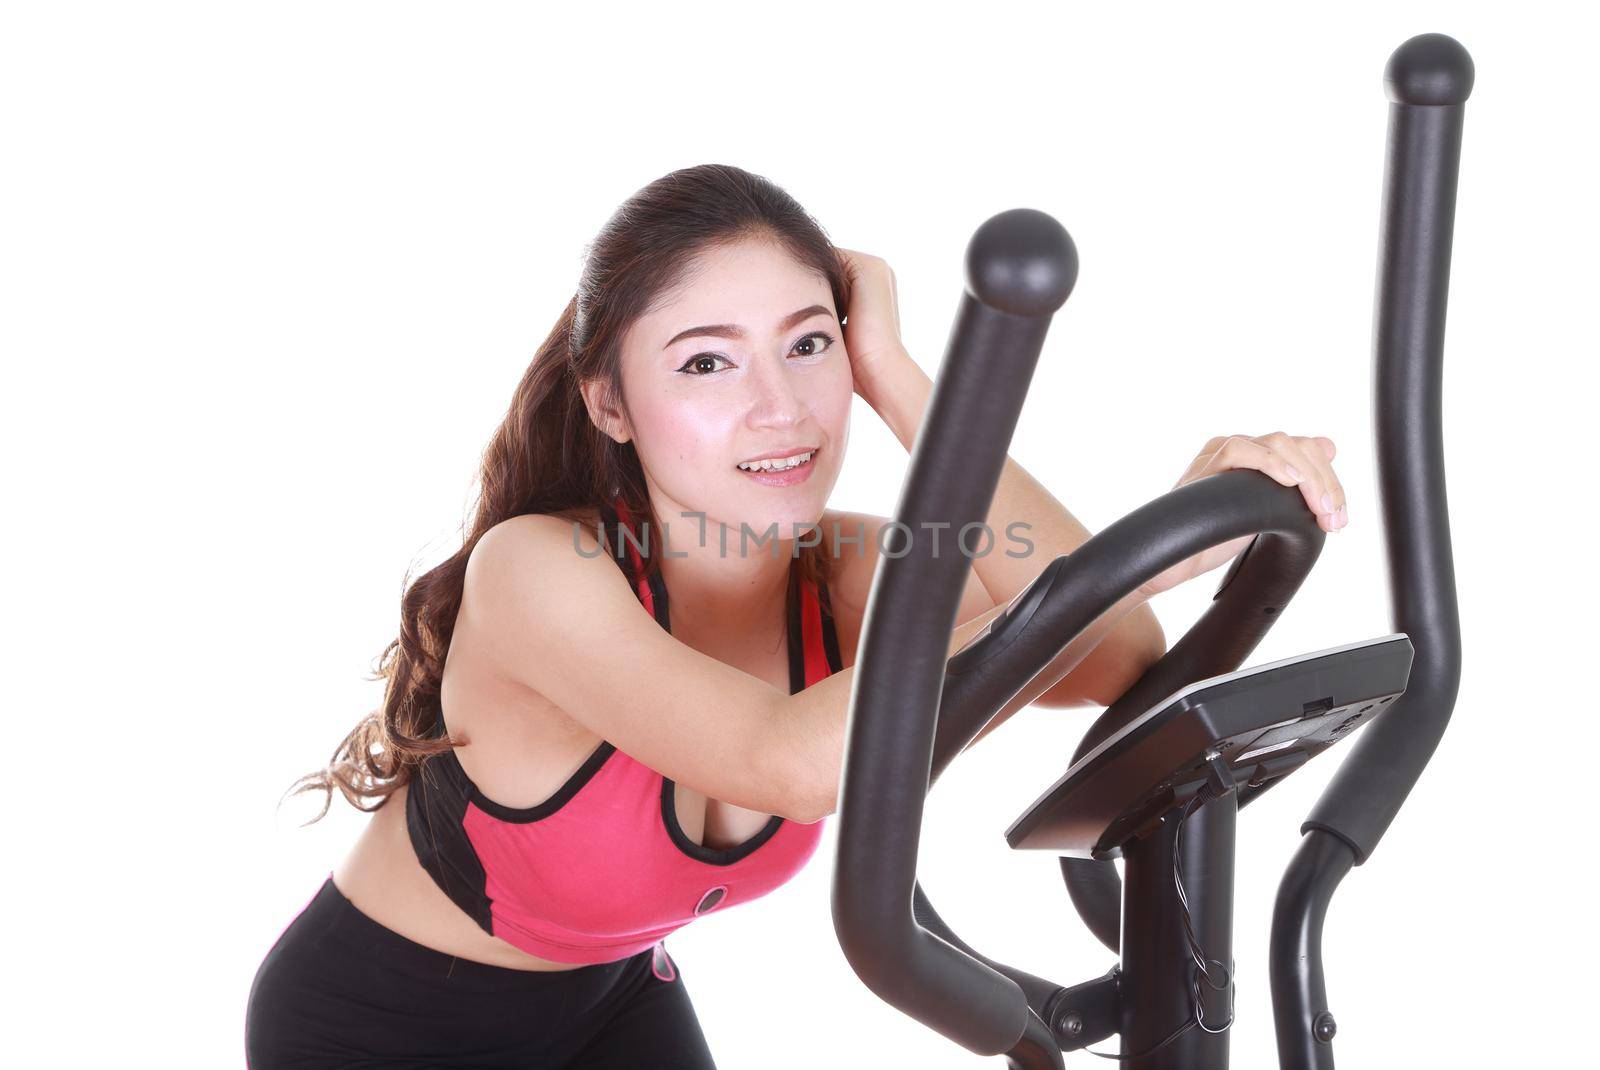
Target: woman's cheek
x,y
699,433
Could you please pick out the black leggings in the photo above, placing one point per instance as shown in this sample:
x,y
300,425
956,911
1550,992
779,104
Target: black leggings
x,y
338,989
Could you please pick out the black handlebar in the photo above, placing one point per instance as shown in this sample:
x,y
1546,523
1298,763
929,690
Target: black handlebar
x,y
913,708
1074,590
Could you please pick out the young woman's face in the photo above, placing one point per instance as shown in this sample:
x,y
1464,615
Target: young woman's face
x,y
744,361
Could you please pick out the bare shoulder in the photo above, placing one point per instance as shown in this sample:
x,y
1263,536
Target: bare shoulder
x,y
534,552
528,574
537,534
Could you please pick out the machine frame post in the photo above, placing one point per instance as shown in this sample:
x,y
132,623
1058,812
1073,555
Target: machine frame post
x,y
1159,974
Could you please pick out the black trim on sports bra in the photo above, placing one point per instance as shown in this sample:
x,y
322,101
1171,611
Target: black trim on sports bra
x,y
717,856
797,646
522,815
436,805
830,637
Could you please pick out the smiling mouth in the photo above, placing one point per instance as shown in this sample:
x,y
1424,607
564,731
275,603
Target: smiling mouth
x,y
780,464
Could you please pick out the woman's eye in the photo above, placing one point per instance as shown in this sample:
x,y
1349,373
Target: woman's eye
x,y
811,345
699,361
813,340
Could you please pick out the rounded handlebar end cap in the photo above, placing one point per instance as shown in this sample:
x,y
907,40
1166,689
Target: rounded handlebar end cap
x,y
1430,68
1022,262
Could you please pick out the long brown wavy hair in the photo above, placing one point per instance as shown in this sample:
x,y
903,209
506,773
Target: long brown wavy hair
x,y
548,456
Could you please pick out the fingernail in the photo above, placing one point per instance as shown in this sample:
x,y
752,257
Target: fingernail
x,y
1294,474
1344,517
1327,501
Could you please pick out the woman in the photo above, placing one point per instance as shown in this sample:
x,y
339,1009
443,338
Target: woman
x,y
558,779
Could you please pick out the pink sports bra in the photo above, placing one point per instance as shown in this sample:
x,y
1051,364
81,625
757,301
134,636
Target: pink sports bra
x,y
601,870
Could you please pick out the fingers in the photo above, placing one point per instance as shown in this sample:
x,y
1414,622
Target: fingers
x,y
861,264
1242,451
874,275
1292,461
1322,491
1331,505
850,260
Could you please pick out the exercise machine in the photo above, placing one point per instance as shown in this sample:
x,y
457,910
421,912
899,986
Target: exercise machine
x,y
1159,778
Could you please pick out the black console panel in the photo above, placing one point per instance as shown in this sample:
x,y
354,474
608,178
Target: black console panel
x,y
1266,721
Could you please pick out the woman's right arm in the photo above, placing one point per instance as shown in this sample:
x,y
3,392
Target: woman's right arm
x,y
569,627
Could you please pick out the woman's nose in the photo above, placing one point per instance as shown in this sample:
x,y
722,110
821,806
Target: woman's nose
x,y
776,398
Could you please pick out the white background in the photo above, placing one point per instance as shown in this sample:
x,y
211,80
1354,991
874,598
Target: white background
x,y
272,271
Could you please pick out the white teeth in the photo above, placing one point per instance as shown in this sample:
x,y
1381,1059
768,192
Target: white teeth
x,y
768,464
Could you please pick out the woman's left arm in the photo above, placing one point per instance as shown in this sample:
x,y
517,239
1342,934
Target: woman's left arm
x,y
1122,643
1112,653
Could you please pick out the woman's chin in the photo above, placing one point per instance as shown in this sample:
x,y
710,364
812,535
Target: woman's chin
x,y
782,515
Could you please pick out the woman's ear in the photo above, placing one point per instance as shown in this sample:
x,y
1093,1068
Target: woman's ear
x,y
604,411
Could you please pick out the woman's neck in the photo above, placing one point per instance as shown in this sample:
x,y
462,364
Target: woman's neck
x,y
734,591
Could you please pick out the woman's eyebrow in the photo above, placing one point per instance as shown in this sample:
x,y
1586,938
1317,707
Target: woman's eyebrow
x,y
730,330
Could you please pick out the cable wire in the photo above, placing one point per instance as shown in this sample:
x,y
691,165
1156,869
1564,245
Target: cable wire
x,y
1202,964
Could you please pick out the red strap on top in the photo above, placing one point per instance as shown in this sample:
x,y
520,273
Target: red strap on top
x,y
641,580
811,634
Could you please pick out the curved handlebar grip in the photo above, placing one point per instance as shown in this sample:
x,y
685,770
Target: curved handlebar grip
x,y
1020,266
1250,598
1074,590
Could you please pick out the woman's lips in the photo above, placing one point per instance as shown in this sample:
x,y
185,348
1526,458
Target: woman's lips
x,y
786,477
